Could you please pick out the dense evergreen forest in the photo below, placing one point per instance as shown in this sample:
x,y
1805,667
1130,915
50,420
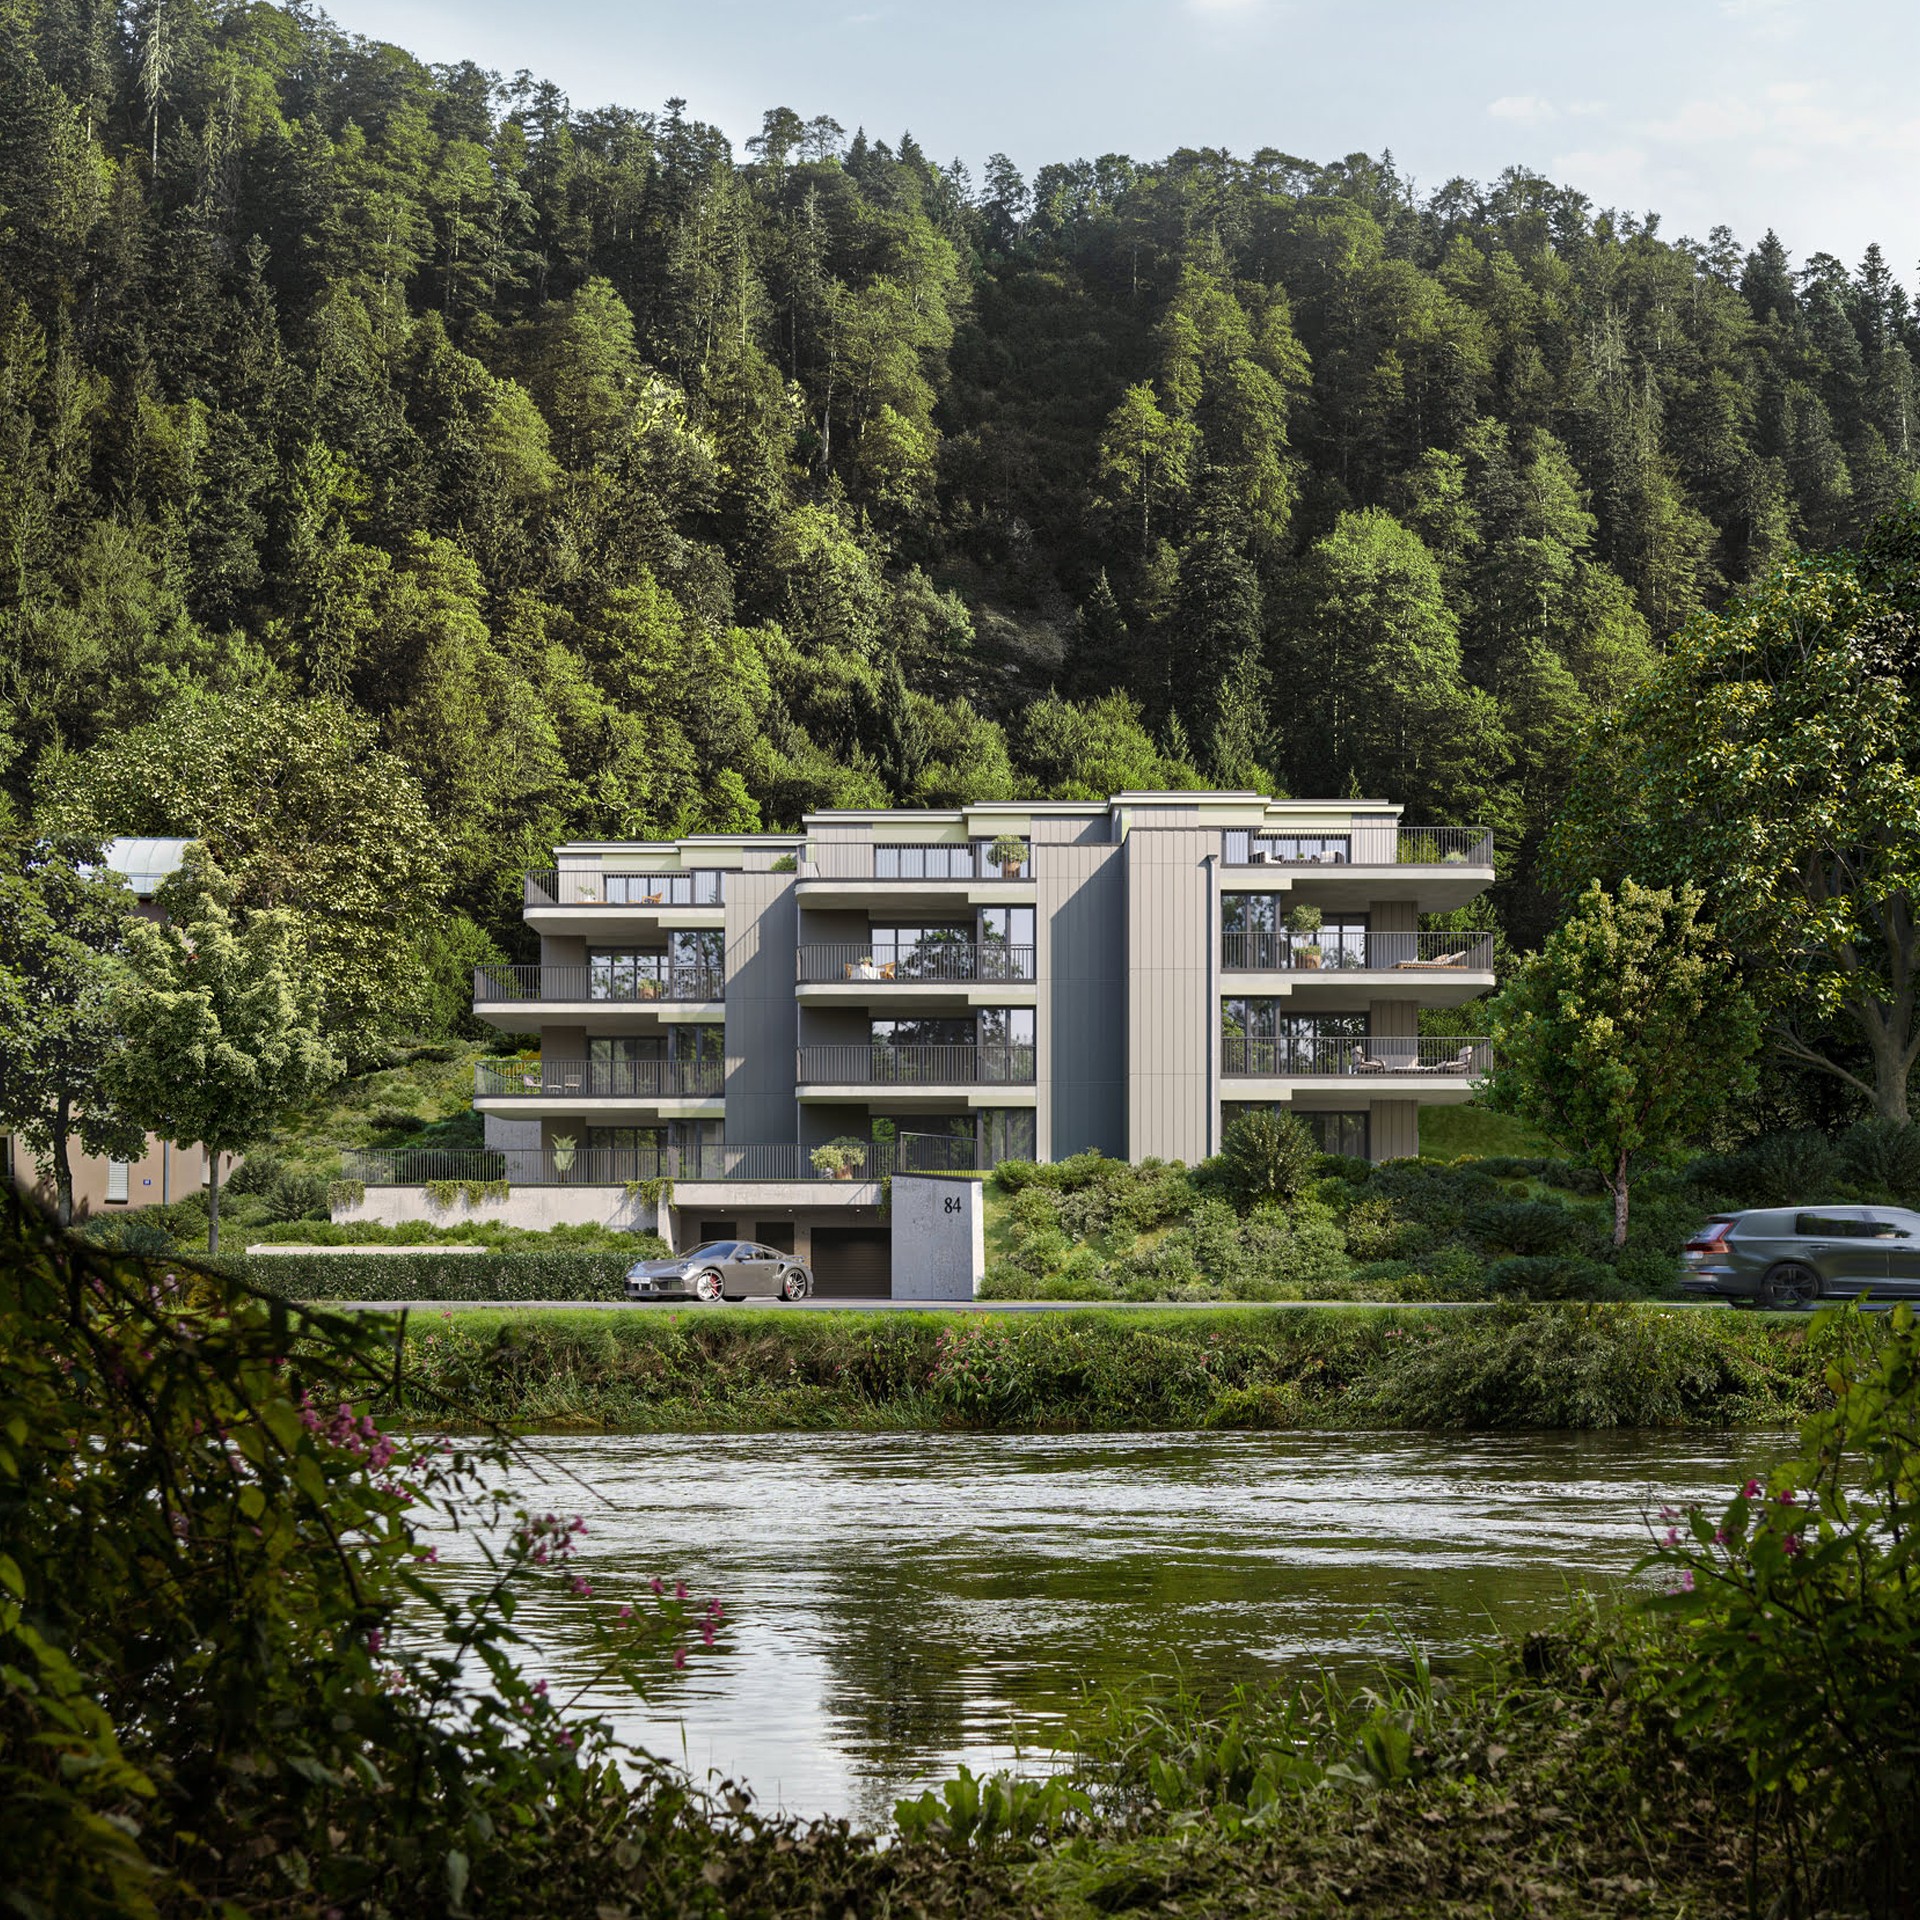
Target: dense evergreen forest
x,y
402,469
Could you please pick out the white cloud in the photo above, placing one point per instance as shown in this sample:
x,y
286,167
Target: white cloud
x,y
1526,109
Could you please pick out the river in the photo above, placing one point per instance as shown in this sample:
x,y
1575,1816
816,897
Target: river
x,y
898,1604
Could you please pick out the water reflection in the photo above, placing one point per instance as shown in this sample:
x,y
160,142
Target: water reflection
x,y
900,1603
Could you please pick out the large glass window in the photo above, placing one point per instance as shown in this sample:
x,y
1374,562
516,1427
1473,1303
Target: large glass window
x,y
1006,1043
922,1031
1257,1037
1256,936
1332,1132
1006,943
1006,1133
923,952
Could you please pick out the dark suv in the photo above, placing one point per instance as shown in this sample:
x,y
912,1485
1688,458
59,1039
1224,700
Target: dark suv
x,y
1793,1256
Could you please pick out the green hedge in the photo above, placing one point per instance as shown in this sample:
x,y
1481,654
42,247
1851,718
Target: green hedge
x,y
442,1276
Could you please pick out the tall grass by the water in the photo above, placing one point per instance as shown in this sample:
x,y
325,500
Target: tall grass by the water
x,y
1517,1366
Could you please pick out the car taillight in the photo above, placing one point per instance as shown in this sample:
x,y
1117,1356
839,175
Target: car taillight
x,y
1713,1241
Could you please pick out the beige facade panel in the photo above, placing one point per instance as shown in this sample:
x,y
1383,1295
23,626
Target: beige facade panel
x,y
1173,1015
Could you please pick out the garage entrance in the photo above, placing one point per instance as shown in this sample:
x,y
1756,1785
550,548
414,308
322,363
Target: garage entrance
x,y
853,1263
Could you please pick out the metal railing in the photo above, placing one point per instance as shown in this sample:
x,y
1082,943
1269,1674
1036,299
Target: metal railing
x,y
550,887
1364,846
851,1064
627,980
599,1079
1323,1057
887,860
616,1166
1354,950
838,961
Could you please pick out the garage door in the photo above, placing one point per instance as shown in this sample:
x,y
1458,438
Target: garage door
x,y
853,1263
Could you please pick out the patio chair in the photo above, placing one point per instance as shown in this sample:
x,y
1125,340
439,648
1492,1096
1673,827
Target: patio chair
x,y
1442,960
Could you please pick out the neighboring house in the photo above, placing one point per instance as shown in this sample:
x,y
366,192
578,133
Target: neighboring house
x,y
163,1172
943,990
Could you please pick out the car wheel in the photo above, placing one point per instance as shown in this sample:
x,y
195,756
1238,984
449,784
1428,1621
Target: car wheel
x,y
709,1287
794,1286
1792,1285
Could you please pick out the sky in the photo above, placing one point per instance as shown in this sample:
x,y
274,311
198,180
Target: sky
x,y
1800,115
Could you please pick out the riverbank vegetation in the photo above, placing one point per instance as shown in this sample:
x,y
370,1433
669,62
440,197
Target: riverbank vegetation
x,y
229,1677
659,1369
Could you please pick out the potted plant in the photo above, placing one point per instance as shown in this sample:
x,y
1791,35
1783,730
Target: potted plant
x,y
565,1146
838,1159
784,863
1303,922
1009,854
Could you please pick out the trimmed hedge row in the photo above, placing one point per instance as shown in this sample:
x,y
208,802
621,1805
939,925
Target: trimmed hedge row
x,y
442,1276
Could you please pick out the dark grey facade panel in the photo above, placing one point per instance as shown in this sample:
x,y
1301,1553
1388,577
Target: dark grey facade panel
x,y
1083,962
762,1015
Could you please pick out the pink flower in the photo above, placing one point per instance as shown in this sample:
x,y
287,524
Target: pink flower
x,y
539,1686
374,1640
679,1658
679,1589
657,1584
1751,1491
625,1613
583,1587
1791,1544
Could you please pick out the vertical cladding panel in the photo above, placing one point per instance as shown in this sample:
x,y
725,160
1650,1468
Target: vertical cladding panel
x,y
1393,916
762,1026
1170,991
563,950
1395,1130
1080,894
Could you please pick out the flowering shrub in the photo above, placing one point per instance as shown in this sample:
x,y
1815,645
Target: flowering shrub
x,y
1798,1606
228,1670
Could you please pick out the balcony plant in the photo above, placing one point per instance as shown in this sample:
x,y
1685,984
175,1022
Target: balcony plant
x,y
839,1159
1009,853
785,863
1303,923
565,1146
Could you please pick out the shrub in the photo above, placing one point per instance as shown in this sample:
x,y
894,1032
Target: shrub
x,y
1529,1227
1373,1230
1553,1277
1883,1154
395,1120
1267,1159
1775,1170
453,1276
1801,1623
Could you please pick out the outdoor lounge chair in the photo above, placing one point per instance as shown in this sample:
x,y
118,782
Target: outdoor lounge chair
x,y
1443,960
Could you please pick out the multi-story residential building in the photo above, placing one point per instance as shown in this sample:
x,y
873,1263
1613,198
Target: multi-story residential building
x,y
775,1021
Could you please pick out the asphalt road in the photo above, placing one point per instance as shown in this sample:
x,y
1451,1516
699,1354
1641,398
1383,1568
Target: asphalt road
x,y
924,1306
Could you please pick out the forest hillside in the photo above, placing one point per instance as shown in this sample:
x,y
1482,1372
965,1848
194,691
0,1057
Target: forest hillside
x,y
402,468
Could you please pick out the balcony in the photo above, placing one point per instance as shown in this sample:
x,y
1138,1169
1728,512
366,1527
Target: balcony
x,y
551,887
941,962
628,982
617,1166
1352,951
850,1064
553,1081
1447,1060
1366,846
847,873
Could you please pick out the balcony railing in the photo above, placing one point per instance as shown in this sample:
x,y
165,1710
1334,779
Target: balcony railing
x,y
1364,846
890,860
625,981
1324,1057
932,960
550,887
1352,950
616,1166
849,1064
600,1079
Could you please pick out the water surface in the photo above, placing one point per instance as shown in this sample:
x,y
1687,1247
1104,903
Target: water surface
x,y
901,1603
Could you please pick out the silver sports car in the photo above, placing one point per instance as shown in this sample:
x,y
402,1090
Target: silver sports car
x,y
721,1270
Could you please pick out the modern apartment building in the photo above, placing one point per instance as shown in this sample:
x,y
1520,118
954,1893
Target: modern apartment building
x,y
775,1021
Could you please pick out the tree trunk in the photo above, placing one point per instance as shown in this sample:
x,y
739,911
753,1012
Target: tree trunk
x,y
213,1198
1618,1184
62,1167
